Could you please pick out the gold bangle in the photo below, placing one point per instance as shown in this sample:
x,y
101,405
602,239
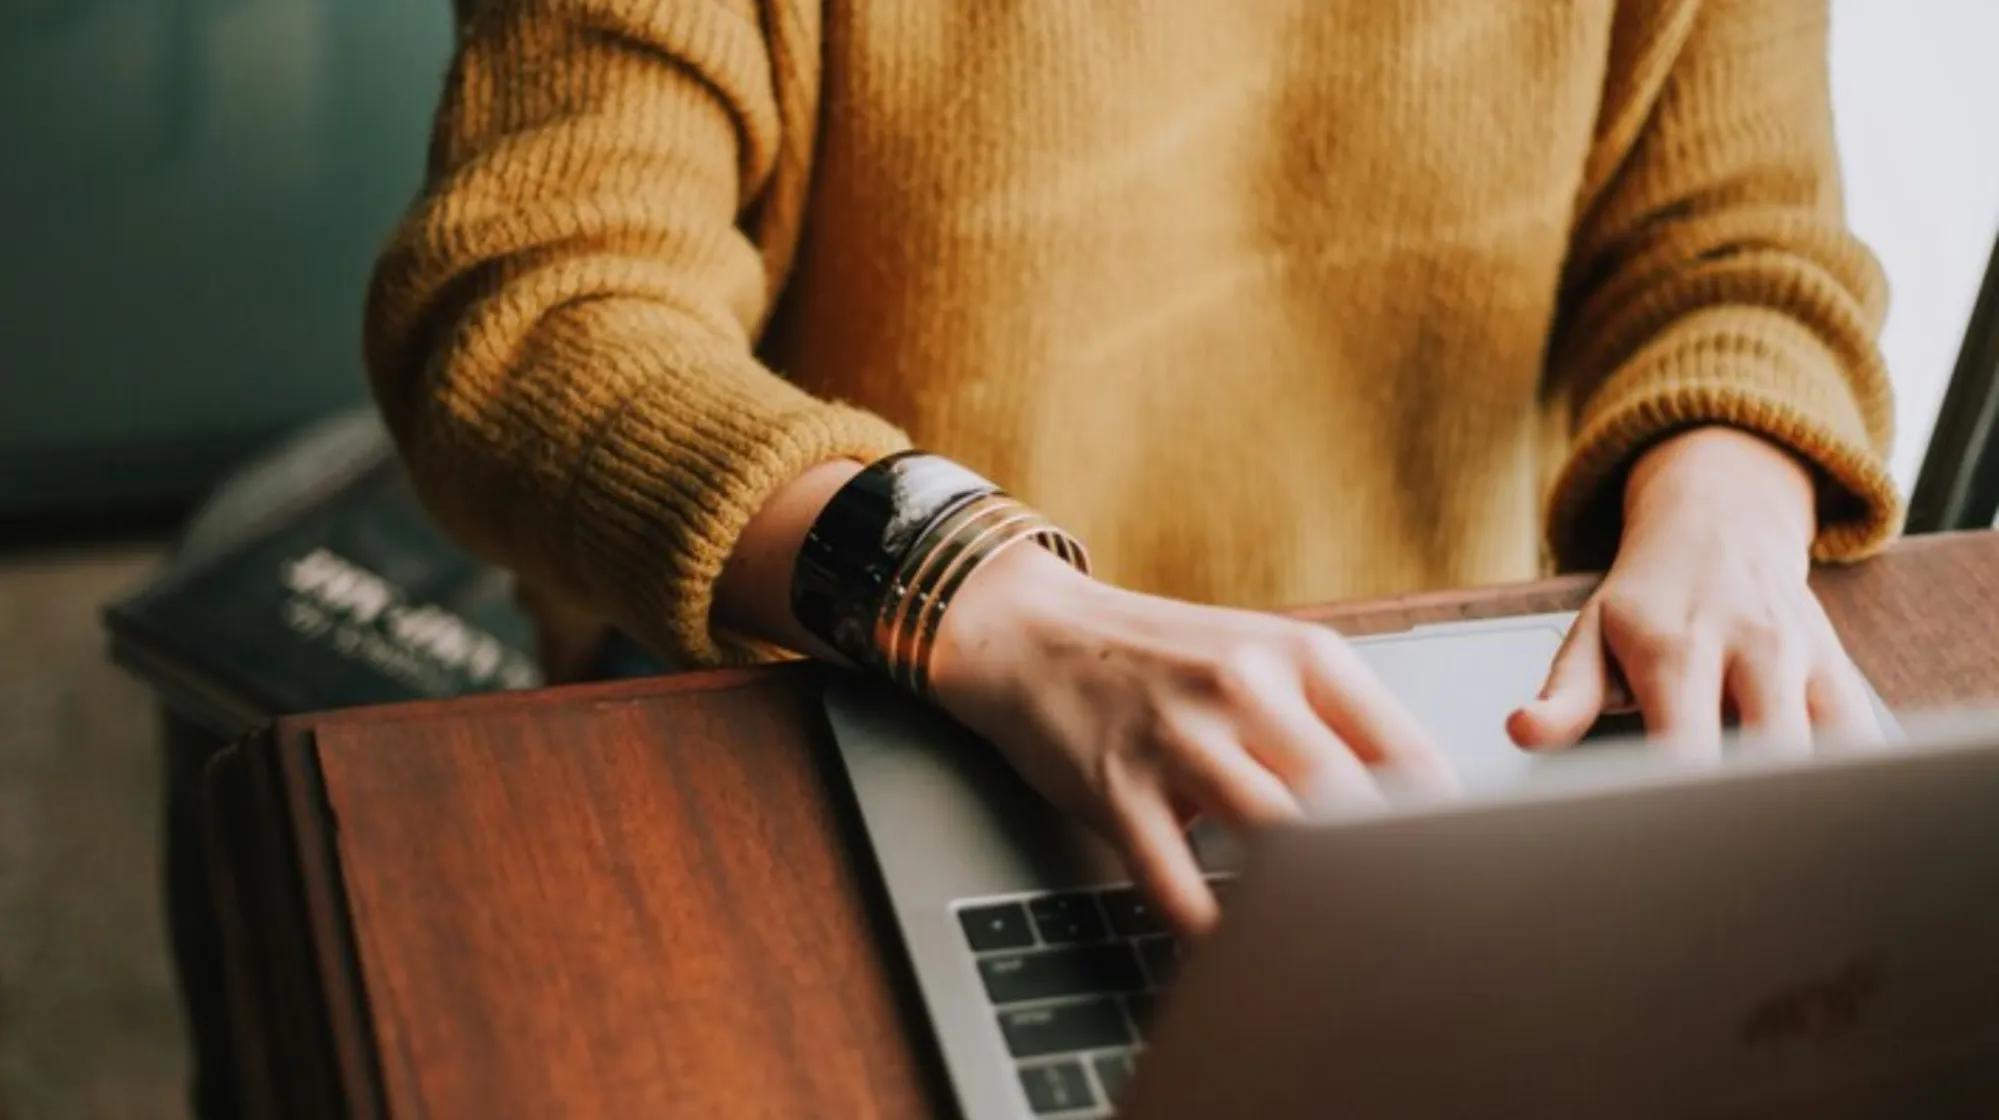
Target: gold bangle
x,y
1030,525
905,588
937,565
925,602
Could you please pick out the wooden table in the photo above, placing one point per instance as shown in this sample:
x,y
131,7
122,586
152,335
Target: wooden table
x,y
649,898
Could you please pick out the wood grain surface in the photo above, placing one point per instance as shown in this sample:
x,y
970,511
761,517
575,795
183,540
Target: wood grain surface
x,y
648,898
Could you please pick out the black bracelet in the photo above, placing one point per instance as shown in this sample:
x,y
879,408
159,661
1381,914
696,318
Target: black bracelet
x,y
862,537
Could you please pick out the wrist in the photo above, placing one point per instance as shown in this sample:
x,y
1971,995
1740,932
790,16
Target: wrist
x,y
891,552
1000,612
1717,474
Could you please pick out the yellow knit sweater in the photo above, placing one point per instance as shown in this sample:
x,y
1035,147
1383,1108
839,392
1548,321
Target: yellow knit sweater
x,y
1269,302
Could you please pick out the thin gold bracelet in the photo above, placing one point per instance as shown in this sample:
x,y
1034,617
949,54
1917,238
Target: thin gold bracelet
x,y
976,552
938,545
943,558
974,549
938,563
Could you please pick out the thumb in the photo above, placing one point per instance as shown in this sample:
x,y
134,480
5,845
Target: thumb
x,y
1574,693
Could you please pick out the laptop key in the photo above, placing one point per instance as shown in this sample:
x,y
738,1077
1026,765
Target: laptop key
x,y
1064,918
1113,1070
1160,954
1075,971
1131,913
1003,926
1056,1087
1063,1027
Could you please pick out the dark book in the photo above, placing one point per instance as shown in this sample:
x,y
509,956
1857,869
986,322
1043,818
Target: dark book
x,y
315,580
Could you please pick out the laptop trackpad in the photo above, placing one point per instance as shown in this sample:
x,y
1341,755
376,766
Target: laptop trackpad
x,y
1462,680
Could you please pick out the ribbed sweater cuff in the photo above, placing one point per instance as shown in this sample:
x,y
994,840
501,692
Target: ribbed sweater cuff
x,y
668,488
1749,368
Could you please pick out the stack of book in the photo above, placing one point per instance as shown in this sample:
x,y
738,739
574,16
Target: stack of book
x,y
315,580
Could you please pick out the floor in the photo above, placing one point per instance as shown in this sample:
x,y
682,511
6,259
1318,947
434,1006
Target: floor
x,y
89,1026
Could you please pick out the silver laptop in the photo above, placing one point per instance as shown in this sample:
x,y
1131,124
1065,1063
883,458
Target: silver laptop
x,y
1040,966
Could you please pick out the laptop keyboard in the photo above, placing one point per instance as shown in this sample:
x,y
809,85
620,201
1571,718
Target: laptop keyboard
x,y
1072,977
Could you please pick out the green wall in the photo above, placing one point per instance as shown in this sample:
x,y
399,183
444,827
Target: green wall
x,y
191,192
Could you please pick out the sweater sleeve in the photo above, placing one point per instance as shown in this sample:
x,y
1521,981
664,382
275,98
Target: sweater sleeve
x,y
559,333
1712,278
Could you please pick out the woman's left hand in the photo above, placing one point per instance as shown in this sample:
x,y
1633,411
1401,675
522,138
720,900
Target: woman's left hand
x,y
1706,610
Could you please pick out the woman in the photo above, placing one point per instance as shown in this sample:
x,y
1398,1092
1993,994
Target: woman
x,y
1300,301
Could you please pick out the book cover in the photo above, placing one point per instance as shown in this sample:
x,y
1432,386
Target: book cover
x,y
343,594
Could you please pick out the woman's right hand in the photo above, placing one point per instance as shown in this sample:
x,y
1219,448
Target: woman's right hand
x,y
1137,713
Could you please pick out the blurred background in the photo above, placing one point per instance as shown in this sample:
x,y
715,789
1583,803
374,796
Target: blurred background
x,y
191,193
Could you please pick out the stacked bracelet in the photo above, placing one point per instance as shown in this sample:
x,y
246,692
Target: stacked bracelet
x,y
944,557
892,548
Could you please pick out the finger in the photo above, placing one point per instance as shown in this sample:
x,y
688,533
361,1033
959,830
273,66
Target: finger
x,y
1162,861
1768,688
1320,769
1838,701
1676,680
1574,694
1230,784
1837,698
1352,702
